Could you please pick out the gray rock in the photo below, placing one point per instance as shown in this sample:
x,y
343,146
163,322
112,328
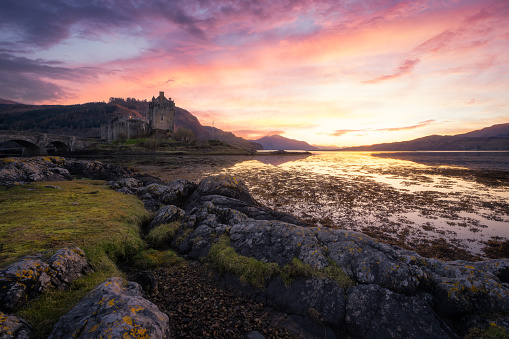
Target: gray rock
x,y
95,170
32,169
67,265
279,242
31,276
114,310
224,185
375,312
174,193
51,168
320,299
370,261
166,215
22,280
126,185
12,327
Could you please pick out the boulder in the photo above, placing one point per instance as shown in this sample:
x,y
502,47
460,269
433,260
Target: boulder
x,y
226,191
224,185
49,168
31,276
95,170
279,242
67,265
126,185
113,309
375,312
166,215
20,170
22,280
174,193
12,327
320,299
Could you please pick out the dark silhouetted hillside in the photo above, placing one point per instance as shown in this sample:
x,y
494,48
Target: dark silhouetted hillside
x,y
277,142
487,139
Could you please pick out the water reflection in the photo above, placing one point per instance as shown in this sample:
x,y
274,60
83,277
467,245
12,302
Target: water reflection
x,y
402,200
406,202
278,160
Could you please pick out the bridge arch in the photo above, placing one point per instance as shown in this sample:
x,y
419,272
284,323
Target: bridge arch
x,y
57,147
29,148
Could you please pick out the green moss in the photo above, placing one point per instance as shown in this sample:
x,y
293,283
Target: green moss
x,y
298,269
184,235
492,332
162,235
224,259
102,222
151,259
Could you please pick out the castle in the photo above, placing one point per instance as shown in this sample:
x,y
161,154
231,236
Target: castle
x,y
161,117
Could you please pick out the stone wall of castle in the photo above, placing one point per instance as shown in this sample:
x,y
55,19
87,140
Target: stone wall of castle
x,y
125,128
161,113
161,117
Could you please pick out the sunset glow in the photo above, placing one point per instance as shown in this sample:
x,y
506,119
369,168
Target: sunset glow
x,y
343,73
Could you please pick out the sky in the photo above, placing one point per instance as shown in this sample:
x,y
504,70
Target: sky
x,y
330,72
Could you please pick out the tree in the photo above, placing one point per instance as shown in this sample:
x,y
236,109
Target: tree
x,y
185,135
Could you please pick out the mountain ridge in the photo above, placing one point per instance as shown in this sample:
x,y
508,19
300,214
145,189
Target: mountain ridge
x,y
495,137
278,142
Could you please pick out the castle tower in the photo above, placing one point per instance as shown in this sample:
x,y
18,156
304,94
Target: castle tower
x,y
161,113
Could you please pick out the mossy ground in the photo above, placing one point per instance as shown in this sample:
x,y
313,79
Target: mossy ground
x,y
224,259
104,223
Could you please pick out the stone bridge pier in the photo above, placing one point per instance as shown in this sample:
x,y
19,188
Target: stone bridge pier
x,y
42,143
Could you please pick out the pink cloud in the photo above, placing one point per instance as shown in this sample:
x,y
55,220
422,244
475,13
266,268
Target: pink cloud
x,y
418,125
405,67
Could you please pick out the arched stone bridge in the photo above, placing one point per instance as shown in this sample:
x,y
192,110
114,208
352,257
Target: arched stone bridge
x,y
43,143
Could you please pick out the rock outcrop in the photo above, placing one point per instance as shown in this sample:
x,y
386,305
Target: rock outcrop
x,y
113,309
396,293
15,171
12,327
31,276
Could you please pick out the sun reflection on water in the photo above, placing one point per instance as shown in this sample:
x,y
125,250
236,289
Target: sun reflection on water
x,y
406,201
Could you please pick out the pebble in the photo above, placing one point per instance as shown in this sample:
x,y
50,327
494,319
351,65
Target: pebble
x,y
197,307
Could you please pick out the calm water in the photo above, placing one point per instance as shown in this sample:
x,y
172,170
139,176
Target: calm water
x,y
462,198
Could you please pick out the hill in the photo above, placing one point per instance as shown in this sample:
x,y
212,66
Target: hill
x,y
79,120
491,138
277,142
495,131
85,120
7,102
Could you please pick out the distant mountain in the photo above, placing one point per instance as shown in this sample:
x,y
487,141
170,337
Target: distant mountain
x,y
491,138
7,102
185,119
495,131
230,138
327,148
277,142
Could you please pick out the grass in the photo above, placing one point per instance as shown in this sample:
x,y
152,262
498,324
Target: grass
x,y
152,258
161,236
88,214
224,259
492,332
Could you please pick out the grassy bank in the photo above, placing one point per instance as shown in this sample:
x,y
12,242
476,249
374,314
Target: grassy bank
x,y
39,218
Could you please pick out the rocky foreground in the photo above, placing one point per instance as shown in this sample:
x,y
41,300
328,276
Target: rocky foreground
x,y
389,292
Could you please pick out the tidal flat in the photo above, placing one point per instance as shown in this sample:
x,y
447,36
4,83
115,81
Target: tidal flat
x,y
448,205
